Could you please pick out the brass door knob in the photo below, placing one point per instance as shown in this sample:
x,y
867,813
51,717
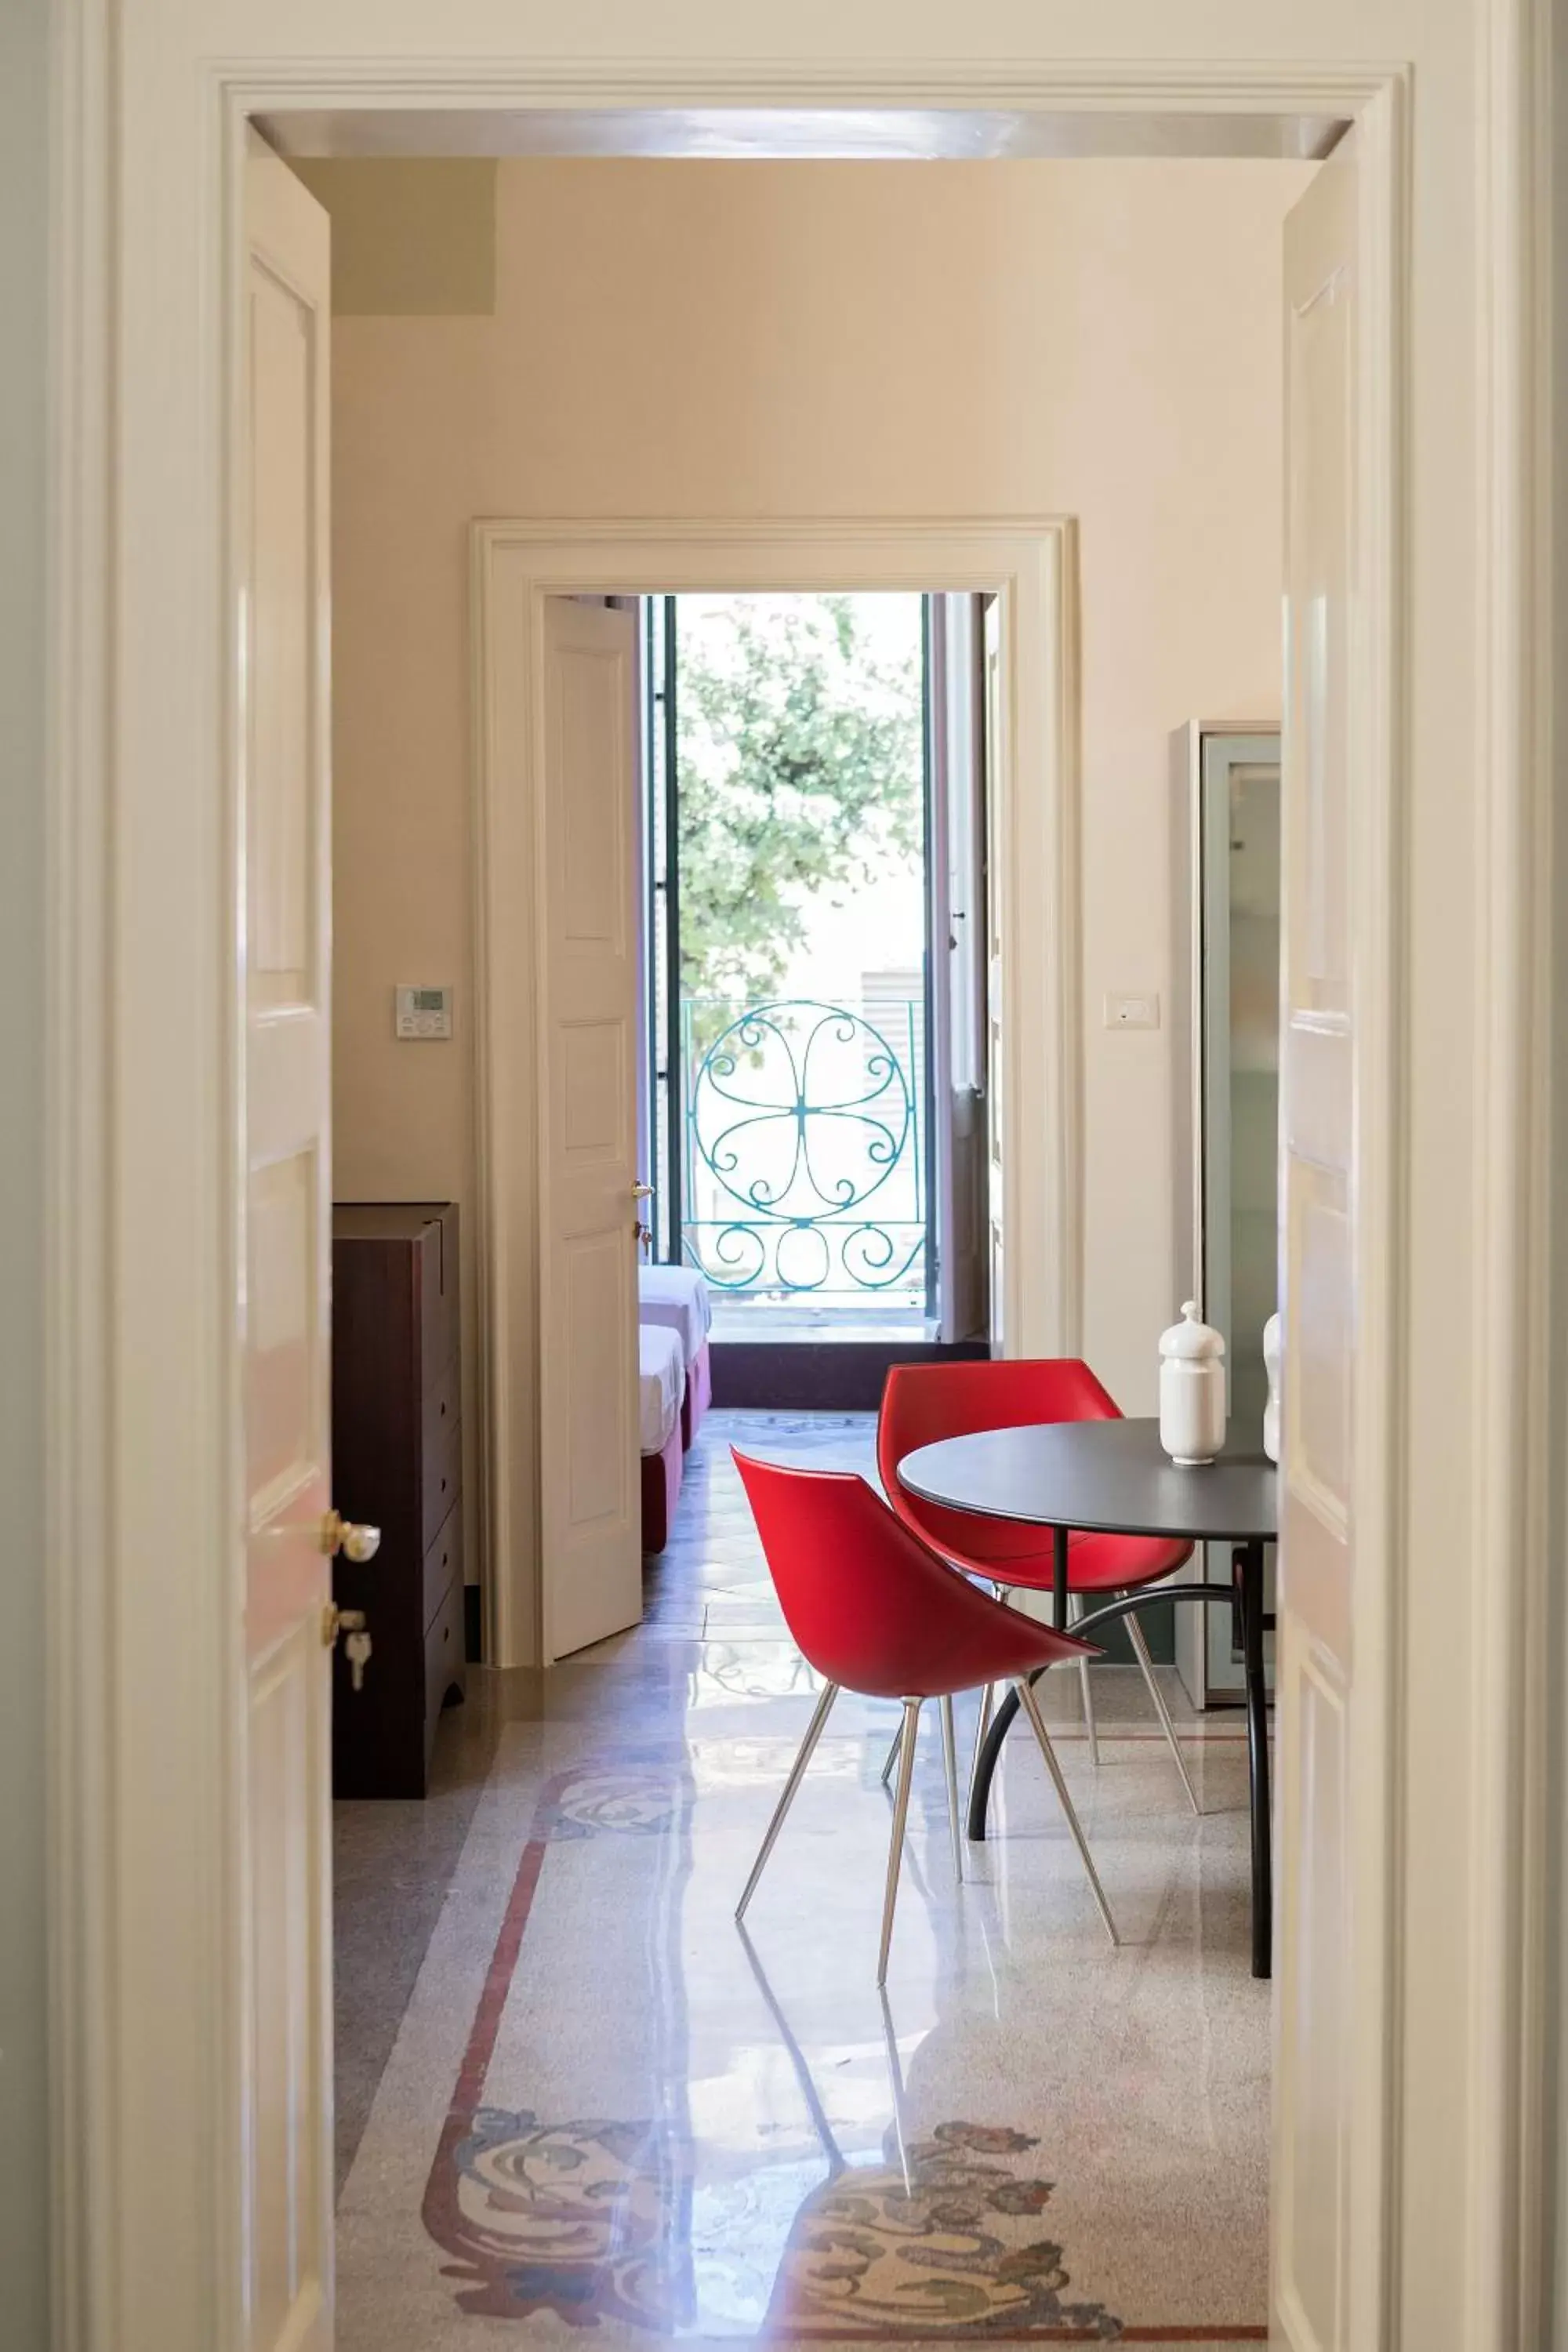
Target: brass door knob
x,y
641,1191
354,1542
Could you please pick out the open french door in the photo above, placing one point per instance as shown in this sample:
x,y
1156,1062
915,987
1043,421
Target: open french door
x,y
1323,1940
285,944
592,1537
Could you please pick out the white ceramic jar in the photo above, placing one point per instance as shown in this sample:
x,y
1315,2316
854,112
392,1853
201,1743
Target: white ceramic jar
x,y
1192,1390
1271,1352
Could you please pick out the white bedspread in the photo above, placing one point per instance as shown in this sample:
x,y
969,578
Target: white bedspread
x,y
661,1384
679,1297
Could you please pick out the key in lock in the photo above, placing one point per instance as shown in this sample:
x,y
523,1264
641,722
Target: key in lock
x,y
357,1649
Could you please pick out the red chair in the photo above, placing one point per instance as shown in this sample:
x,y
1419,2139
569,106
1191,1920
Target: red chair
x,y
874,1611
924,1403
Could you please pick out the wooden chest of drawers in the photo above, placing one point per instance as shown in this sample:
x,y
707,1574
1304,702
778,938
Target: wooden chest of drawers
x,y
397,1462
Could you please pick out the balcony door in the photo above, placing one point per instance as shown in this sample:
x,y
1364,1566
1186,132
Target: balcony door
x,y
791,741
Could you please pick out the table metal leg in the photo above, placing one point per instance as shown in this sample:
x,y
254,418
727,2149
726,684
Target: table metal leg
x,y
990,1747
1247,1570
985,1761
1246,1593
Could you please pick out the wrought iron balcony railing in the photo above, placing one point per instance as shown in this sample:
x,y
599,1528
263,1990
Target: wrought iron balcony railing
x,y
804,1148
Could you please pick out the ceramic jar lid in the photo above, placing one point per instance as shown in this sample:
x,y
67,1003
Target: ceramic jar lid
x,y
1189,1341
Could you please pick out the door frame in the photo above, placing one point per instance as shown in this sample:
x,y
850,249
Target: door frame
x,y
1032,564
142,1518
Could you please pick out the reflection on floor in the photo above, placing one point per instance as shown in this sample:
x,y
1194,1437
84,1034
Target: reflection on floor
x,y
574,2097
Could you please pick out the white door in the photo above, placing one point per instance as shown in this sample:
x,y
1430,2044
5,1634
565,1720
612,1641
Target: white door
x,y
1316,1926
995,1043
592,1546
285,933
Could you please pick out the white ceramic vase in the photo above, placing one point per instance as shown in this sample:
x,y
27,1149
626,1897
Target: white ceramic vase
x,y
1272,1345
1192,1390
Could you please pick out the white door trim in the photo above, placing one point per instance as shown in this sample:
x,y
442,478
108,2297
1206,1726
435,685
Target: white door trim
x,y
1032,565
143,1523
1515,2060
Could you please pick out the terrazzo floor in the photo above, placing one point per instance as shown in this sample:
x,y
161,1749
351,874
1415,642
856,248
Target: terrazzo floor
x,y
575,2102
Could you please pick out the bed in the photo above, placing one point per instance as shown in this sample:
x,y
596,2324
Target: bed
x,y
661,1390
677,1298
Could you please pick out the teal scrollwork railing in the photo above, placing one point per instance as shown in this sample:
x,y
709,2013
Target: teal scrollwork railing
x,y
805,1148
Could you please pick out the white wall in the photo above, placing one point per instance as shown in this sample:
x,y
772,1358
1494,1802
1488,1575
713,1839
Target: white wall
x,y
1094,339
24,2135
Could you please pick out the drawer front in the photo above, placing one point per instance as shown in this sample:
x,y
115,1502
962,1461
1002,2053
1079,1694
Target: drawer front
x,y
438,1296
440,1407
443,1562
443,1477
444,1666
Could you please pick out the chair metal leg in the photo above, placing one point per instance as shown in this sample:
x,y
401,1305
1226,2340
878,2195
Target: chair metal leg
x,y
1075,1610
892,1755
900,1819
798,1774
1031,1707
1140,1649
950,1756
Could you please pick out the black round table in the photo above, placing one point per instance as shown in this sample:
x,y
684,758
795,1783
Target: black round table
x,y
1114,1477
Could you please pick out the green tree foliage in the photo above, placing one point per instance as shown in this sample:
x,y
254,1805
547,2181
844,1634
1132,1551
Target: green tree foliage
x,y
799,773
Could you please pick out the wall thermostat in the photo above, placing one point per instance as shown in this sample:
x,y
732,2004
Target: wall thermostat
x,y
424,1012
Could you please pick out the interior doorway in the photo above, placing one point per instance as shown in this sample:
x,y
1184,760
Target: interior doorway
x,y
541,761
556,734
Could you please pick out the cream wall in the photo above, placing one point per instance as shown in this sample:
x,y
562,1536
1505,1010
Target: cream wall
x,y
1094,339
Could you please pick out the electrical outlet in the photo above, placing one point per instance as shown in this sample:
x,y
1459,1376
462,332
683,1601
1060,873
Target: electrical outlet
x,y
1133,1013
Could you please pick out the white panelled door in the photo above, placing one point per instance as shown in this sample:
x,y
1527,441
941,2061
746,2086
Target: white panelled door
x,y
285,934
1319,1935
591,1514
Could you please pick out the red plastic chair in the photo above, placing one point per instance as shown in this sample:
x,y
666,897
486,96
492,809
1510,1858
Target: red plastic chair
x,y
924,1403
875,1610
